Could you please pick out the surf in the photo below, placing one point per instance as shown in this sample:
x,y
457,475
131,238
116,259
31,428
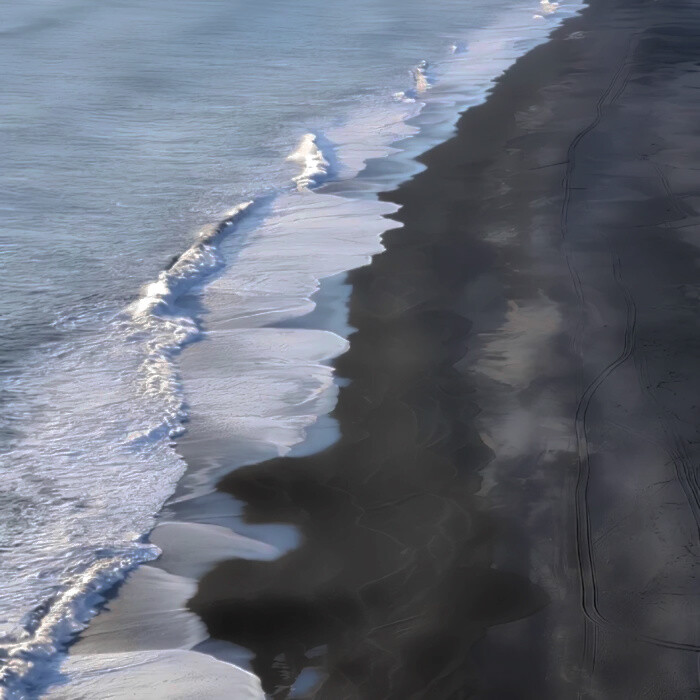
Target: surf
x,y
118,398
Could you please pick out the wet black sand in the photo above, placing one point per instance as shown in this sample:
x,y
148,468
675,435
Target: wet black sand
x,y
512,509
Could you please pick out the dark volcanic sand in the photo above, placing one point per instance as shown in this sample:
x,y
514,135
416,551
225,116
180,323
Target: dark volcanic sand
x,y
512,509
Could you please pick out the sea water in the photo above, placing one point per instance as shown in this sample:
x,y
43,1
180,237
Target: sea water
x,y
169,173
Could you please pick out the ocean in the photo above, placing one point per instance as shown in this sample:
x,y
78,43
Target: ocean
x,y
185,173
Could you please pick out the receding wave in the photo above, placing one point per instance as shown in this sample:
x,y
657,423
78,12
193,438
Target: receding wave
x,y
55,623
548,8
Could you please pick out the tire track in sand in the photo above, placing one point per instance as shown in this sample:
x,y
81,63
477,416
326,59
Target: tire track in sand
x,y
584,546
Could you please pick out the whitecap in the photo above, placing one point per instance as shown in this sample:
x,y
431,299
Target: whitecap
x,y
548,8
312,161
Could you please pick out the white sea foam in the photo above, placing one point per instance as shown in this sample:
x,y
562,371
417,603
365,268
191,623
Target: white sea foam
x,y
312,161
165,331
549,8
420,78
421,82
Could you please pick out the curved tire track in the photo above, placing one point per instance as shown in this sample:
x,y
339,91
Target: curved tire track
x,y
584,546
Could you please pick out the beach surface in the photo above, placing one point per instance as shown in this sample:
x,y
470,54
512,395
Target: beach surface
x,y
511,506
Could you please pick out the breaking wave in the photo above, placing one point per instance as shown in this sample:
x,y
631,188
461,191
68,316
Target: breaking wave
x,y
153,315
312,161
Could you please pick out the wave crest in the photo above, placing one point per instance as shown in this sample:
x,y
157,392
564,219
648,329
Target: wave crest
x,y
312,161
153,317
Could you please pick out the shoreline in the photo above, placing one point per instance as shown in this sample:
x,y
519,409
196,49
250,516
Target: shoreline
x,y
463,325
440,533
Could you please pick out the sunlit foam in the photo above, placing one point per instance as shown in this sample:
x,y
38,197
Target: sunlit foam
x,y
548,7
312,161
420,78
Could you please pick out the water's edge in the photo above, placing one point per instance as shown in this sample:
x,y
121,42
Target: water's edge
x,y
243,323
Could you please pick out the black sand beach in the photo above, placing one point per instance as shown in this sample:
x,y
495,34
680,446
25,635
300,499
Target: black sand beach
x,y
512,508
